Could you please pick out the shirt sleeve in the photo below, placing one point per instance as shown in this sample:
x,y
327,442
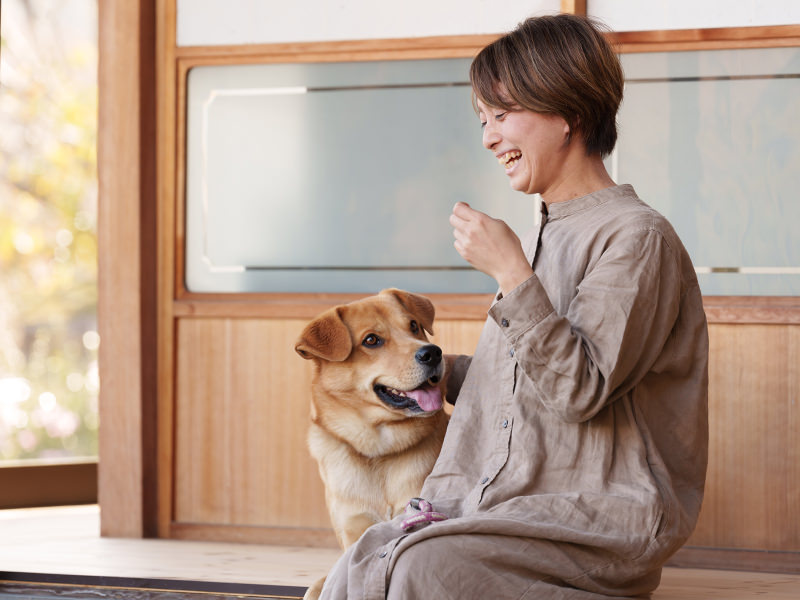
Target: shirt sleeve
x,y
612,334
457,366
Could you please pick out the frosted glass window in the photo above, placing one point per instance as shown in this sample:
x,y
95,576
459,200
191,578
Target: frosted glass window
x,y
336,177
712,140
341,177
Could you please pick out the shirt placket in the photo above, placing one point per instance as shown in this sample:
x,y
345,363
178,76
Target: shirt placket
x,y
542,223
501,427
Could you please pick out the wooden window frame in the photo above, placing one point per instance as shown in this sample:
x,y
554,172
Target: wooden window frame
x,y
45,483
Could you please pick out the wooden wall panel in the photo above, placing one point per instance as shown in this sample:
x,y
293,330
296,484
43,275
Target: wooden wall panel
x,y
753,488
242,417
241,414
457,336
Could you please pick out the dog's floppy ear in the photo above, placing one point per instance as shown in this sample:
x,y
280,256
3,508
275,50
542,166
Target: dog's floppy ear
x,y
417,305
326,337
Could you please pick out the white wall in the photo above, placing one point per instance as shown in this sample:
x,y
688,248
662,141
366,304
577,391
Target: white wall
x,y
639,15
211,22
217,22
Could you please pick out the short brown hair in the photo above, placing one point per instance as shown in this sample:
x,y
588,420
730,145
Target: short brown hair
x,y
557,64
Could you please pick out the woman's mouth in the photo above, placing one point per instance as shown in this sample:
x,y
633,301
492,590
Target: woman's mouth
x,y
509,159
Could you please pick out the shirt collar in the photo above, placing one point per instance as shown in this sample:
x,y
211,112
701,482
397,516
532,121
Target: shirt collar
x,y
559,210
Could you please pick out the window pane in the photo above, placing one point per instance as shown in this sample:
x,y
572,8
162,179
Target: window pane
x,y
48,245
712,140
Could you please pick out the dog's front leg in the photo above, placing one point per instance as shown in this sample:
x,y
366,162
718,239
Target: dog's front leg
x,y
315,590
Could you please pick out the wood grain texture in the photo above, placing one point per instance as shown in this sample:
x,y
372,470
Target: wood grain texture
x,y
778,310
677,40
168,131
120,305
242,410
66,541
753,485
467,46
728,559
242,467
451,46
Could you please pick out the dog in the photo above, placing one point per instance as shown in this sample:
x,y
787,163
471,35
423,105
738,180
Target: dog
x,y
377,418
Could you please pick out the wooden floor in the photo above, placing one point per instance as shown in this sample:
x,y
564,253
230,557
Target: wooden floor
x,y
66,541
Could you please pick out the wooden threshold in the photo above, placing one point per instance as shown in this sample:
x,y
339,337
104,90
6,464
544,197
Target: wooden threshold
x,y
40,586
736,559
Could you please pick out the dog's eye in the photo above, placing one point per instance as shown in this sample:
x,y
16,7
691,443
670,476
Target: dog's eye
x,y
372,341
414,327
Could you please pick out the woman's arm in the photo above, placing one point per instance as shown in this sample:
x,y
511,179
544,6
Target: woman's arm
x,y
456,366
613,332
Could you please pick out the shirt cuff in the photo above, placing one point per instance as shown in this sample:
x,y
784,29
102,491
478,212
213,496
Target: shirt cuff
x,y
522,308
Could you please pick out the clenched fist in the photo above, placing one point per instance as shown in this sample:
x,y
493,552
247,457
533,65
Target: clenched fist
x,y
490,246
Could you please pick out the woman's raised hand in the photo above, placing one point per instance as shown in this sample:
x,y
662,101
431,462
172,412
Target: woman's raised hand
x,y
489,245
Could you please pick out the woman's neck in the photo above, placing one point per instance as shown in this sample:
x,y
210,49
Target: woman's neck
x,y
582,175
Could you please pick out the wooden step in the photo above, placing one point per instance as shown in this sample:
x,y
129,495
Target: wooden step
x,y
58,553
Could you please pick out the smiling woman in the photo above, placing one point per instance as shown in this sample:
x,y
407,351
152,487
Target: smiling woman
x,y
48,251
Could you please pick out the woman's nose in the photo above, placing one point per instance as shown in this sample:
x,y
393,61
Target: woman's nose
x,y
490,136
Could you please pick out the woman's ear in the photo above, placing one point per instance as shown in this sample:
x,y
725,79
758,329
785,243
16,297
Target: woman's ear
x,y
569,128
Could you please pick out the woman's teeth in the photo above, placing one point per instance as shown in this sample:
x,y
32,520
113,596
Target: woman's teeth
x,y
509,158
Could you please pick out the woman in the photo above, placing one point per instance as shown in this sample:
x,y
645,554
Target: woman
x,y
574,463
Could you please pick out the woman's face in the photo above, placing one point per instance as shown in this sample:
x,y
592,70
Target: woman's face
x,y
530,146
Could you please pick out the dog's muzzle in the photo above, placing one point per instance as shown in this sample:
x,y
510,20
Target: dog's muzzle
x,y
426,398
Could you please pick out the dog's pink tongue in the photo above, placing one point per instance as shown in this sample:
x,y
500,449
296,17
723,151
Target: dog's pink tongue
x,y
428,398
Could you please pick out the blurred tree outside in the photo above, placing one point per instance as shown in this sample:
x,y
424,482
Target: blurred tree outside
x,y
48,244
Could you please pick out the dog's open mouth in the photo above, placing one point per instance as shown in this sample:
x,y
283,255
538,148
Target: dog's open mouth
x,y
426,398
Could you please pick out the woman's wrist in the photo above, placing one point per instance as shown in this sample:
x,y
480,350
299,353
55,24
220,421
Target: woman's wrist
x,y
512,279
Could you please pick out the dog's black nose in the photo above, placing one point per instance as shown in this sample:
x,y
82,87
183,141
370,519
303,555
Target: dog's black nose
x,y
429,355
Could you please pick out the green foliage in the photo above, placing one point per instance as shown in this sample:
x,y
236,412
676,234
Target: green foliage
x,y
48,243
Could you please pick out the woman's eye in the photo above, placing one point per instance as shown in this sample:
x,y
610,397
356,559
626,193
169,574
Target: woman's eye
x,y
501,116
372,341
483,124
414,327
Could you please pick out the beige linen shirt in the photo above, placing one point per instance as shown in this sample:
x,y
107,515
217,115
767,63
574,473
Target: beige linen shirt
x,y
581,425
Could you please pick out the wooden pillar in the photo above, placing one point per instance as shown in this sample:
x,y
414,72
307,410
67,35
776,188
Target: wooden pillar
x,y
126,241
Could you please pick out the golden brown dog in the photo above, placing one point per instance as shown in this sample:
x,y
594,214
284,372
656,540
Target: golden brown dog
x,y
377,421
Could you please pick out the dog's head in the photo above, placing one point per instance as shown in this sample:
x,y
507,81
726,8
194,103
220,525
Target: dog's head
x,y
374,355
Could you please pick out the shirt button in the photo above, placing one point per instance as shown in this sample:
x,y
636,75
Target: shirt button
x,y
505,423
511,352
484,480
383,554
504,322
